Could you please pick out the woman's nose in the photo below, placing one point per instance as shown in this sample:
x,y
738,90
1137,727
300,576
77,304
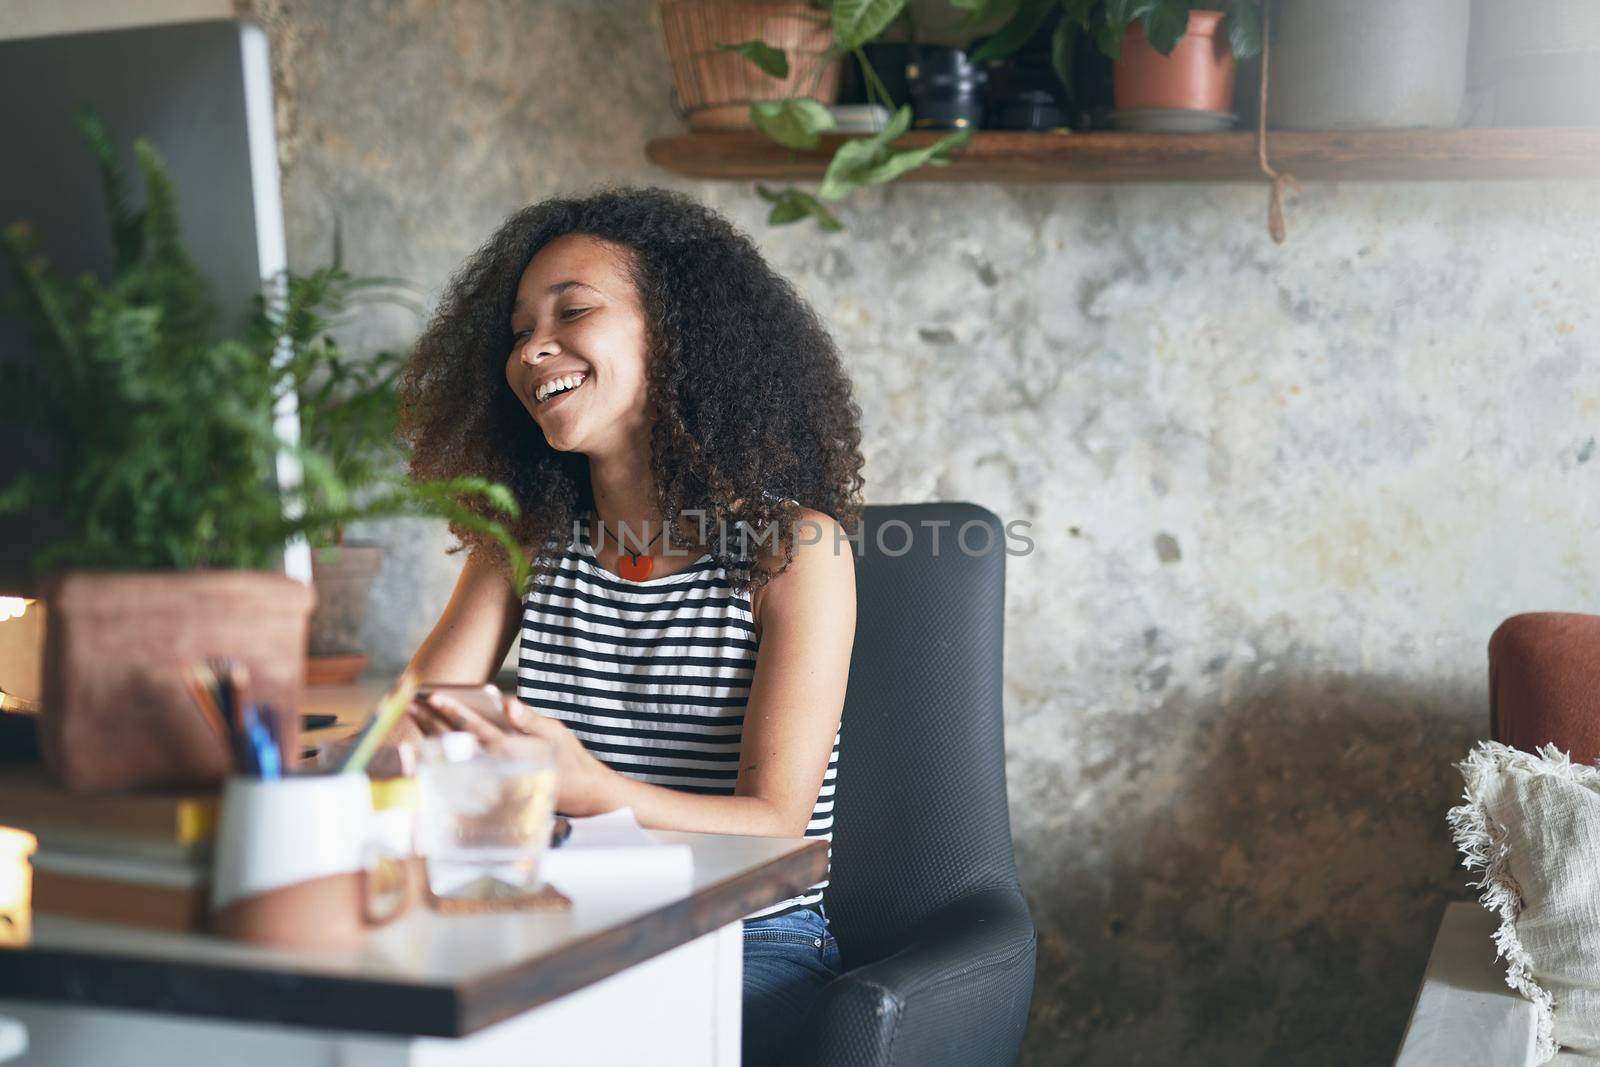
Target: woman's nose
x,y
535,351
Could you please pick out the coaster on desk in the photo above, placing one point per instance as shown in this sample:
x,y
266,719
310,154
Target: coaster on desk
x,y
500,897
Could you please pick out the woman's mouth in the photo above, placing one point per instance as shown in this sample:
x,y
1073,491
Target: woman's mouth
x,y
552,391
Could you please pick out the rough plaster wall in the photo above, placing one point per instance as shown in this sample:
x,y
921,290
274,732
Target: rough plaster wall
x,y
1281,496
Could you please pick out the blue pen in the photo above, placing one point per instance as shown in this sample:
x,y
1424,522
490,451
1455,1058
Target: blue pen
x,y
261,749
274,726
269,753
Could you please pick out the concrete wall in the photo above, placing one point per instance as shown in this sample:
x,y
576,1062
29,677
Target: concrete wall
x,y
1281,496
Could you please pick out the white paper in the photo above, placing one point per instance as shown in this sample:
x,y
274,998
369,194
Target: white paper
x,y
615,829
611,855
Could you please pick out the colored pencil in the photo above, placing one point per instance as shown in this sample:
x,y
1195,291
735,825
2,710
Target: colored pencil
x,y
390,708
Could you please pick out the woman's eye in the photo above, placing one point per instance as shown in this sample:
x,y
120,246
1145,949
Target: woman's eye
x,y
519,336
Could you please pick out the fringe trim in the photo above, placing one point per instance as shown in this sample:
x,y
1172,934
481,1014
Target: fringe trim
x,y
1484,847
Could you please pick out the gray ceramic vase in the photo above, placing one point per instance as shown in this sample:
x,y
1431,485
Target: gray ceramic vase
x,y
1368,64
1539,61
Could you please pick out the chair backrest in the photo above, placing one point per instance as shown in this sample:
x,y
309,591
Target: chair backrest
x,y
921,817
1544,683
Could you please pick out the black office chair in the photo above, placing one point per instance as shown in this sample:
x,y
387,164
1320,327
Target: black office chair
x,y
935,935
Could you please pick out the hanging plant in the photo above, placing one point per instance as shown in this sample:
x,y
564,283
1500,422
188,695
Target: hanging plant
x,y
799,122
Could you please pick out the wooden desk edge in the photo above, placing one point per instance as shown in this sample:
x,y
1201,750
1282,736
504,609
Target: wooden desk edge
x,y
495,997
392,1006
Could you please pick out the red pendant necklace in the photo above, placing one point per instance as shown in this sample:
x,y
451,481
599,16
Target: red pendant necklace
x,y
634,568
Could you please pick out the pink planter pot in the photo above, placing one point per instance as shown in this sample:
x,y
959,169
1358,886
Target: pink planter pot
x,y
116,713
343,578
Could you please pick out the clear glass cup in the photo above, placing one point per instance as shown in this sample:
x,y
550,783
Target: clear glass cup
x,y
484,815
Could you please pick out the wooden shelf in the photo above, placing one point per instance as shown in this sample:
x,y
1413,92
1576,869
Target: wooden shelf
x,y
1003,156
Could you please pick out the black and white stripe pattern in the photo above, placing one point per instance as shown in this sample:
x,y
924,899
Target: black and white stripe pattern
x,y
652,676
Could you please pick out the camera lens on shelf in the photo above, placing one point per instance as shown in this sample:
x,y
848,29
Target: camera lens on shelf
x,y
947,89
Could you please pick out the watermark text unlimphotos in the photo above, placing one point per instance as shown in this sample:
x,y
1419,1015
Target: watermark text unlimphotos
x,y
892,537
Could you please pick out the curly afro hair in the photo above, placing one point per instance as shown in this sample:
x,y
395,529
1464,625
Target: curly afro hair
x,y
756,413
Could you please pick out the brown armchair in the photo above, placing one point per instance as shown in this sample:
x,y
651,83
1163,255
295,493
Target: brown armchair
x,y
1544,683
1544,688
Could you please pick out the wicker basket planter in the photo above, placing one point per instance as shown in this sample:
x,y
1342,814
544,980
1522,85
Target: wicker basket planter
x,y
715,88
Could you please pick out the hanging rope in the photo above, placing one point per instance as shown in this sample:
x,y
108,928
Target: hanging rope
x,y
1275,220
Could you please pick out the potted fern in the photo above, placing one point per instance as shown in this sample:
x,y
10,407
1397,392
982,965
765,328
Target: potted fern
x,y
166,457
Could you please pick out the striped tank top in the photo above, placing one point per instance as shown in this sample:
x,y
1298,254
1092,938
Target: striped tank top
x,y
652,676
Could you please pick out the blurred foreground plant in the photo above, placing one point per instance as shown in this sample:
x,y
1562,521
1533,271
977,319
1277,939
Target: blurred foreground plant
x,y
163,432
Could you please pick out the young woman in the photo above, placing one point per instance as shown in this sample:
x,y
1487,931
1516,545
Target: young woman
x,y
649,388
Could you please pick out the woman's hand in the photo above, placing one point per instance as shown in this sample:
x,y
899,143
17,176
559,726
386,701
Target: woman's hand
x,y
584,785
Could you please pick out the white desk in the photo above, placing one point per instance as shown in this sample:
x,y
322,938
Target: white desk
x,y
618,980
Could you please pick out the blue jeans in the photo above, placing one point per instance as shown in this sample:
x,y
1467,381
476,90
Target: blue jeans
x,y
787,961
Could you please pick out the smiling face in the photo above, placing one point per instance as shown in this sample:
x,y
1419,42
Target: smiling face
x,y
577,319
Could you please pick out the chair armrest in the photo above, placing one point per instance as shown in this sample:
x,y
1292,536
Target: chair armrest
x,y
958,993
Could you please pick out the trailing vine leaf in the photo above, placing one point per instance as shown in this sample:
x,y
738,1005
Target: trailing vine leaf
x,y
1165,23
785,211
1019,31
794,123
857,155
1244,28
1108,36
1122,12
1078,11
1111,24
870,161
815,208
1062,42
792,205
768,60
855,22
981,12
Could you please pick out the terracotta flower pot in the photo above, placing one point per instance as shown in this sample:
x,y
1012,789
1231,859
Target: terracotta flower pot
x,y
1197,76
116,712
343,578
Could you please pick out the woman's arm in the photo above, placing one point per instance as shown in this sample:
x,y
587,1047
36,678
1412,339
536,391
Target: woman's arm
x,y
470,640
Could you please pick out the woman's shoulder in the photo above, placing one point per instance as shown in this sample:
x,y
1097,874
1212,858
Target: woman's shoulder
x,y
818,583
823,567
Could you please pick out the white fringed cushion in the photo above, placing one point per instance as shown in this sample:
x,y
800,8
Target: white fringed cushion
x,y
1531,824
